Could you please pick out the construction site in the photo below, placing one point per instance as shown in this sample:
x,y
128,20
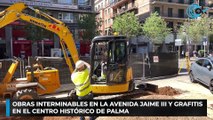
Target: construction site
x,y
116,73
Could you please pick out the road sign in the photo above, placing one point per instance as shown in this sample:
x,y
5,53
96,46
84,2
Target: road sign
x,y
155,59
205,41
178,42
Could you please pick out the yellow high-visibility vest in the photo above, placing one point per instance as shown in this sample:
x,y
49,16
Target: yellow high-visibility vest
x,y
82,82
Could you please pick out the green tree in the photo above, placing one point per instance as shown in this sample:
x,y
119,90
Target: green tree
x,y
36,33
196,30
155,28
89,25
127,24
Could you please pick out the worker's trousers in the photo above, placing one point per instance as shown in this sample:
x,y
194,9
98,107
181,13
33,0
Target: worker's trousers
x,y
87,97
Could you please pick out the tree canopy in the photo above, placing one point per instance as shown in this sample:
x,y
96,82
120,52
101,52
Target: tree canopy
x,y
197,29
127,24
156,28
37,33
89,25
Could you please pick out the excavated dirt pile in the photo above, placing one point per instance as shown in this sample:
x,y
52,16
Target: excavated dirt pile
x,y
168,91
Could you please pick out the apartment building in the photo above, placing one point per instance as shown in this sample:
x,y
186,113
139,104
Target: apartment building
x,y
13,37
172,11
103,7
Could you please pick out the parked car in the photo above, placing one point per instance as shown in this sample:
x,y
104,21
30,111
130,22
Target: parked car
x,y
202,71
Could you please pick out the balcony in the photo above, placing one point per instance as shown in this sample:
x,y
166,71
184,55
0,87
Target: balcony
x,y
174,16
117,3
167,2
124,10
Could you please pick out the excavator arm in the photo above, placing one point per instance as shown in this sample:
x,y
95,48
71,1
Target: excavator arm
x,y
15,12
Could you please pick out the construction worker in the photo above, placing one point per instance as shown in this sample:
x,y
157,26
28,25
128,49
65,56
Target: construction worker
x,y
80,78
103,71
103,66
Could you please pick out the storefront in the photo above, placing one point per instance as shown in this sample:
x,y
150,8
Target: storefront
x,y
2,44
44,48
22,48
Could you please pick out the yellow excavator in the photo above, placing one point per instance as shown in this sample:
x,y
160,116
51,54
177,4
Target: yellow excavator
x,y
118,75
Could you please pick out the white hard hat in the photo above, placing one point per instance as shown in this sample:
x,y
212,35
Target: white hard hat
x,y
79,64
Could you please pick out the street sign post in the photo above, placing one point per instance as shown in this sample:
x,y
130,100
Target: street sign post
x,y
178,42
205,42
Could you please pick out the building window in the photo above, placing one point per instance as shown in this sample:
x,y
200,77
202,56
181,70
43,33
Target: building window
x,y
202,2
105,22
65,1
105,12
181,13
169,0
133,3
179,25
180,1
191,1
114,12
210,14
157,9
105,32
67,17
111,1
109,11
83,2
170,12
126,6
102,5
170,25
210,4
60,16
108,21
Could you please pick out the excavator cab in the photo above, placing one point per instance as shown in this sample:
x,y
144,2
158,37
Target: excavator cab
x,y
110,72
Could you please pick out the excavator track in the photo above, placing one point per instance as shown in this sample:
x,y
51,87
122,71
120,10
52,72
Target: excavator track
x,y
142,89
123,95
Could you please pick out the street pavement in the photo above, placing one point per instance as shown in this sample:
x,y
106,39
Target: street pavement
x,y
189,90
180,82
183,84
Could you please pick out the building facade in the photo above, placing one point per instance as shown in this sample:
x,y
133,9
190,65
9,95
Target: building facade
x,y
173,11
103,7
68,11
